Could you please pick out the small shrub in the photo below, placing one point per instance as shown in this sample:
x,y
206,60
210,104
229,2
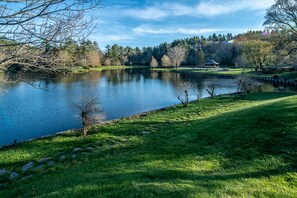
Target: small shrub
x,y
246,84
275,77
90,112
184,97
211,90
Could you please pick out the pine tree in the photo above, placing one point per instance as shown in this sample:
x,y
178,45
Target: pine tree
x,y
200,58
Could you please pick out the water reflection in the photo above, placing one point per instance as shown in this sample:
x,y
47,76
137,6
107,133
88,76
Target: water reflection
x,y
27,112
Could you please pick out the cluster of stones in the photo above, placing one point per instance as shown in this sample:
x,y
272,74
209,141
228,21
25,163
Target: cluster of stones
x,y
32,167
42,164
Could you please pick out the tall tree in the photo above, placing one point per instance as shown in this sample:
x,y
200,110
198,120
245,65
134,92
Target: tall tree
x,y
177,55
258,53
200,58
154,62
32,25
165,61
282,17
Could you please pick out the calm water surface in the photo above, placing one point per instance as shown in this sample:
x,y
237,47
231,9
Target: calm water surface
x,y
27,112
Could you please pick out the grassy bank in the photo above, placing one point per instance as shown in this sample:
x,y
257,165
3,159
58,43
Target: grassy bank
x,y
234,71
222,147
251,72
230,71
77,70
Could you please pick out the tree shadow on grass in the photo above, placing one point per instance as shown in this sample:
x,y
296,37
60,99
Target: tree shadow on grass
x,y
237,144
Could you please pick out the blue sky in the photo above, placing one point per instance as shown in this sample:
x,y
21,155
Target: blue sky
x,y
149,23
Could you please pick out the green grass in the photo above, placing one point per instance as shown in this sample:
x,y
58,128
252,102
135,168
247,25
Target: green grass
x,y
230,71
236,71
221,147
77,70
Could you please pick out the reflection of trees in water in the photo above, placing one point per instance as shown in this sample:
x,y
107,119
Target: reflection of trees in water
x,y
2,84
89,81
39,81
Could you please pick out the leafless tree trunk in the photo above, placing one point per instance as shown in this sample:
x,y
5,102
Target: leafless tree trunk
x,y
211,90
184,98
246,84
28,29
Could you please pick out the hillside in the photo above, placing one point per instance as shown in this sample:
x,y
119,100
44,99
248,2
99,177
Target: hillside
x,y
222,147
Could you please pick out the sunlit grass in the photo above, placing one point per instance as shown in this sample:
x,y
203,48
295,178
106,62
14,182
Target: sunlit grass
x,y
222,147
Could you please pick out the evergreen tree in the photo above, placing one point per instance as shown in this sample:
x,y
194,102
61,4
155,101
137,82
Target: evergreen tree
x,y
200,58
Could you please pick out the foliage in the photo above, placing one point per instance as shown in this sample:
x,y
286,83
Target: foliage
x,y
165,61
258,53
30,28
177,55
282,17
154,62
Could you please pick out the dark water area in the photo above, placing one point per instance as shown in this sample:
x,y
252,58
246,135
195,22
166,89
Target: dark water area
x,y
27,112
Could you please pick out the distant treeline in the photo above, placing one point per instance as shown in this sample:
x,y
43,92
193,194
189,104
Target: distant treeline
x,y
254,48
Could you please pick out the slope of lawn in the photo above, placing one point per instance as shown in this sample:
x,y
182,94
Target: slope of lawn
x,y
222,147
236,71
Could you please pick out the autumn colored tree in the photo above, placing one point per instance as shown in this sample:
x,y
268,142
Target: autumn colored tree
x,y
165,61
154,62
177,55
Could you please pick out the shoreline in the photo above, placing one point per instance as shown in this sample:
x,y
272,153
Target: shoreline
x,y
173,146
110,122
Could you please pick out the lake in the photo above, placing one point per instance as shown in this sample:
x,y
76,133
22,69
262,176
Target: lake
x,y
27,112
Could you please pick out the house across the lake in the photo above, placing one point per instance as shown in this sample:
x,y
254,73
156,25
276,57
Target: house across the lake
x,y
212,63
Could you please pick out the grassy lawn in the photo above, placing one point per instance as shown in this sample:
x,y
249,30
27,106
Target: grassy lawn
x,y
235,71
77,70
222,147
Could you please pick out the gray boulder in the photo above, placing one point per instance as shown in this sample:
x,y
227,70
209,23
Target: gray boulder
x,y
13,175
45,160
51,163
27,166
3,172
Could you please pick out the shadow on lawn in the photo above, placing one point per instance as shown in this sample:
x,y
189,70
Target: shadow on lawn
x,y
154,182
237,143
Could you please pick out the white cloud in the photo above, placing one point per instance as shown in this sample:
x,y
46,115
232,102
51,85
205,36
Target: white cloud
x,y
202,9
108,38
147,13
212,8
144,29
155,30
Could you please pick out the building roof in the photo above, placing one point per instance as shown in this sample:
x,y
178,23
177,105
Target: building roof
x,y
212,62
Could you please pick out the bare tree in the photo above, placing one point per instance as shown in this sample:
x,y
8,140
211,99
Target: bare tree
x,y
246,84
90,112
184,97
282,17
211,90
154,62
28,29
177,55
165,61
198,95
